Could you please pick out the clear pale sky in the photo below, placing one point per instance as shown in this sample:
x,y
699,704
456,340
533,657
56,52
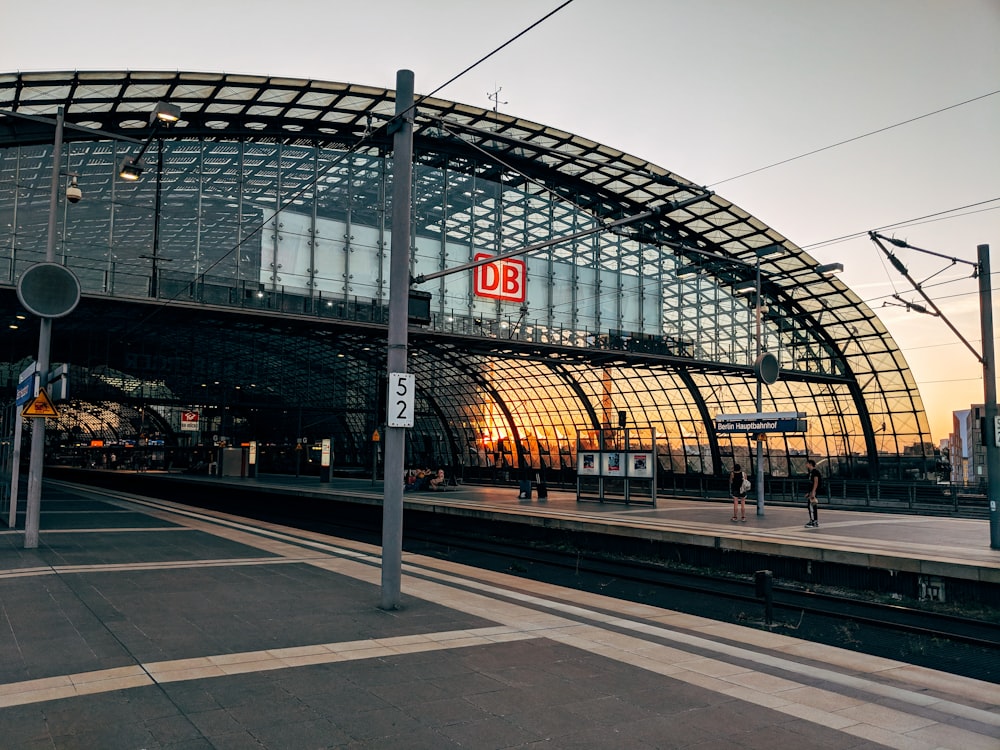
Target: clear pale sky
x,y
709,91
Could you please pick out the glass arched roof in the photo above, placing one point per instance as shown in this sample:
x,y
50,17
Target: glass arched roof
x,y
652,317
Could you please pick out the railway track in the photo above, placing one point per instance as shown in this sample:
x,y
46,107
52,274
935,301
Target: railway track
x,y
792,598
949,642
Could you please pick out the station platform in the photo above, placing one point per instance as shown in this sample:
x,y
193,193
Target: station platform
x,y
142,623
928,546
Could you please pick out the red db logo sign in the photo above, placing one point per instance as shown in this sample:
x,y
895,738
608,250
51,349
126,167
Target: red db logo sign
x,y
505,280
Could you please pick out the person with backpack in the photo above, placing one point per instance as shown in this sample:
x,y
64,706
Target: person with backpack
x,y
812,494
738,487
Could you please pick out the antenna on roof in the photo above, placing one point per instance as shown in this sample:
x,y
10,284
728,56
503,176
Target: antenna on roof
x,y
495,98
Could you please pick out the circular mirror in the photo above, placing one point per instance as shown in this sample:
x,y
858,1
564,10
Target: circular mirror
x,y
48,290
766,368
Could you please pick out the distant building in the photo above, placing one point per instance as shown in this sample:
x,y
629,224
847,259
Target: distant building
x,y
944,449
959,441
968,452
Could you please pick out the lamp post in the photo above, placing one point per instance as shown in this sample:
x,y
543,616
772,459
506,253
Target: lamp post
x,y
766,364
154,278
759,403
163,115
758,362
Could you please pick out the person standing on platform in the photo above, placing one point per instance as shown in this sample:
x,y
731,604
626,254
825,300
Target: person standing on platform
x,y
738,490
812,494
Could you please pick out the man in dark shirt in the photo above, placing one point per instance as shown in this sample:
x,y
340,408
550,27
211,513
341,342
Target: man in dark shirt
x,y
815,482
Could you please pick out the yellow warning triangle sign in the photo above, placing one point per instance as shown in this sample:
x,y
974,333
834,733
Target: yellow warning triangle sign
x,y
40,406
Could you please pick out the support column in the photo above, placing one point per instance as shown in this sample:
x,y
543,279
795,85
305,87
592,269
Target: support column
x,y
399,292
990,394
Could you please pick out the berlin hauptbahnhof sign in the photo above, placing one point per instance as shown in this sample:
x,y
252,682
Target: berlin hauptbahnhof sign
x,y
779,421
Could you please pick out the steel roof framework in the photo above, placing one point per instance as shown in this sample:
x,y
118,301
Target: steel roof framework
x,y
485,179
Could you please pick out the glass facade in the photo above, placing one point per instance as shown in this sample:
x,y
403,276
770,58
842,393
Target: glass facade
x,y
274,196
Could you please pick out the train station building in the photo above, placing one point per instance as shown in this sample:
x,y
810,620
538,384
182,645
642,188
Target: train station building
x,y
237,280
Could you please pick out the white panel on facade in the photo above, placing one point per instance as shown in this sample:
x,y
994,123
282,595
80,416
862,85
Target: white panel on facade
x,y
562,295
458,286
293,234
586,298
330,257
631,320
609,300
652,313
363,262
426,255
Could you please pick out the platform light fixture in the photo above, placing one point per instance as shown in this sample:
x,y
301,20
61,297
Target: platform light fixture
x,y
754,285
829,269
131,169
164,114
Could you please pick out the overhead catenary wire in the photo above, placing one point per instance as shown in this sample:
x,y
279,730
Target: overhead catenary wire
x,y
487,56
855,138
906,223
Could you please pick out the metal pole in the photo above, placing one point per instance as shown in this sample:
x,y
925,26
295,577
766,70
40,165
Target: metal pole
x,y
990,394
399,292
760,404
154,278
9,414
15,471
34,502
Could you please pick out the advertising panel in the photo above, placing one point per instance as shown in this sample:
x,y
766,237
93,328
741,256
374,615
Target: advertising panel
x,y
640,465
588,463
189,421
613,464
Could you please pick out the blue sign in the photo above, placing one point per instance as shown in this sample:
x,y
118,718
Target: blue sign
x,y
778,424
25,390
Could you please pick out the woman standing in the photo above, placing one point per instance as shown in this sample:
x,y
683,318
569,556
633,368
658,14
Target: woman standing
x,y
736,479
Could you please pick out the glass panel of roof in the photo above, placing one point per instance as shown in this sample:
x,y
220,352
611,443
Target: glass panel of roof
x,y
96,91
256,110
46,93
277,96
317,100
224,108
303,113
146,91
236,94
192,91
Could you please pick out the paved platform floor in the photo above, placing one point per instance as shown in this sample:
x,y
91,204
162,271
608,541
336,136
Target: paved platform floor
x,y
142,624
